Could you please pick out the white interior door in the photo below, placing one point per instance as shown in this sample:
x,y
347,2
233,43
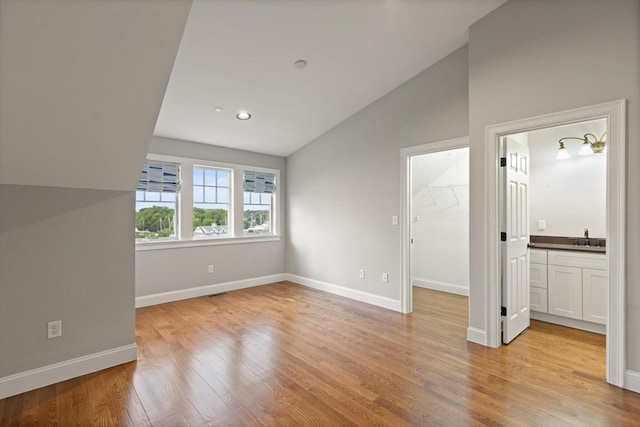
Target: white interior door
x,y
515,265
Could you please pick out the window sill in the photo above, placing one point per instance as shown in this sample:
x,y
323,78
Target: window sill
x,y
178,244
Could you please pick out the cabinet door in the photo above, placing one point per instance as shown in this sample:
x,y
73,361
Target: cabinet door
x,y
565,291
595,289
538,299
538,275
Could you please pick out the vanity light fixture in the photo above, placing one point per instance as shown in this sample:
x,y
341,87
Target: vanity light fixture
x,y
243,115
562,152
590,144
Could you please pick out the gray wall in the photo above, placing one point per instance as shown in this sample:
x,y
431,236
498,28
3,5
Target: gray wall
x,y
344,187
83,80
540,56
82,84
67,254
176,269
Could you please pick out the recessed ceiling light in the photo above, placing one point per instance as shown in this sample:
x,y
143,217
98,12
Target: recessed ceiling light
x,y
243,115
218,109
300,64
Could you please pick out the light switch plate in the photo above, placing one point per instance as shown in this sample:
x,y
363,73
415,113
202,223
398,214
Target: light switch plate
x,y
542,224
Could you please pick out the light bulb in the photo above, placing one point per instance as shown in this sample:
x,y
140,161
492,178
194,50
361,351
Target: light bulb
x,y
562,154
243,115
585,149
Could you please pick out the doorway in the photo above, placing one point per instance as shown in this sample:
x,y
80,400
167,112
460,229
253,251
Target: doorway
x,y
614,113
561,241
440,190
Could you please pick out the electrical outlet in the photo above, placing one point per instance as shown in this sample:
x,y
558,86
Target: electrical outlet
x,y
394,220
54,329
210,268
361,274
385,277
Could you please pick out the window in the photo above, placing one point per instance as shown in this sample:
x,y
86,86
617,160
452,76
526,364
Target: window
x,y
258,202
181,200
211,191
156,201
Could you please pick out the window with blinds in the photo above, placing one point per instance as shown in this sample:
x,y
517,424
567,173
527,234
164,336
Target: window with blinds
x,y
258,202
156,214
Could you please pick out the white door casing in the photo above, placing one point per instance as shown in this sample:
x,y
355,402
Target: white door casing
x,y
488,333
515,254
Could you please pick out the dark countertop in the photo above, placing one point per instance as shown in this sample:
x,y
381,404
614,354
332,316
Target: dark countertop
x,y
565,247
563,243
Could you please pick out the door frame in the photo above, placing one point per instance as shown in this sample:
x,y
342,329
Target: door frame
x,y
615,113
406,294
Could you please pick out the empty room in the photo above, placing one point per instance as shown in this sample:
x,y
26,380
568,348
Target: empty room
x,y
214,212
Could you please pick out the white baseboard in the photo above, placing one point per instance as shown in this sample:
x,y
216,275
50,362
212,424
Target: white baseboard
x,y
632,380
440,286
51,374
361,296
161,298
478,336
569,323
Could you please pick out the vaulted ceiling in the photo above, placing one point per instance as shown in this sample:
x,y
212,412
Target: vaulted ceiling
x,y
240,55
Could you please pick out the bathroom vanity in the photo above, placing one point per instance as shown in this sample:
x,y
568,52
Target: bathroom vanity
x,y
569,283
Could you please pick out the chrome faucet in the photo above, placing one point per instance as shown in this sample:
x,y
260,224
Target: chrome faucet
x,y
586,237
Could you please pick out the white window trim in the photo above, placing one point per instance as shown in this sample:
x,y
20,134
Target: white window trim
x,y
184,206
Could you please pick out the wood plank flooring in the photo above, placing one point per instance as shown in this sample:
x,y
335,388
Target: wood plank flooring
x,y
285,355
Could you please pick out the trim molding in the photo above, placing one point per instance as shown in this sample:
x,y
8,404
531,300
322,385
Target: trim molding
x,y
369,298
51,374
632,380
164,297
478,336
440,286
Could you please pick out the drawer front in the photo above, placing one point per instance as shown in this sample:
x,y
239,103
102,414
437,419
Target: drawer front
x,y
538,256
578,259
538,300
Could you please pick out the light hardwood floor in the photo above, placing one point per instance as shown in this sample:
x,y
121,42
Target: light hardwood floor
x,y
285,355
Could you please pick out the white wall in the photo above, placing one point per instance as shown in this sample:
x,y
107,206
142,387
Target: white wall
x,y
440,220
533,57
344,187
177,270
570,194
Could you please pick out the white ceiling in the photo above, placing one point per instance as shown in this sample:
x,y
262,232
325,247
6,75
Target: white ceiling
x,y
239,55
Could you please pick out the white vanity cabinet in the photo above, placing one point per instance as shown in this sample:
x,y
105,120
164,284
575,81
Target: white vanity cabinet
x,y
594,295
538,280
565,291
569,284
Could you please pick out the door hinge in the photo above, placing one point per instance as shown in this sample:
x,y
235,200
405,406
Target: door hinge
x,y
503,161
503,236
503,311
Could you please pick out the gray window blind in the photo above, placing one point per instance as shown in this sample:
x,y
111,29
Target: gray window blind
x,y
157,176
259,182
